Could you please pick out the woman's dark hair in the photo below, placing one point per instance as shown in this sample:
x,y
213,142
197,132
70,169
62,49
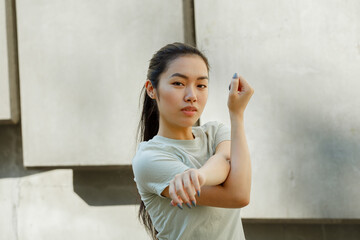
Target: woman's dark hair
x,y
149,122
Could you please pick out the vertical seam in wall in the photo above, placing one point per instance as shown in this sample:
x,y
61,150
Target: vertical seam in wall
x,y
189,28
189,22
194,22
13,66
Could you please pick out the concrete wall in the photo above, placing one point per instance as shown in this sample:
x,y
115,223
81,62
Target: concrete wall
x,y
304,141
303,122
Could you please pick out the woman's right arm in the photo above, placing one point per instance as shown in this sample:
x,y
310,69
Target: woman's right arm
x,y
235,191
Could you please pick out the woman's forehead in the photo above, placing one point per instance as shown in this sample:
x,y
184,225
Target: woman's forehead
x,y
188,65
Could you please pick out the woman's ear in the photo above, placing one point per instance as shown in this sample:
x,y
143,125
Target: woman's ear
x,y
150,89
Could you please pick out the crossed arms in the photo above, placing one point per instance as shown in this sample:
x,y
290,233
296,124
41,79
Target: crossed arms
x,y
223,181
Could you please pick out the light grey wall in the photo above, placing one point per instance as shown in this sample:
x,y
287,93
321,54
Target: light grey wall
x,y
303,121
82,65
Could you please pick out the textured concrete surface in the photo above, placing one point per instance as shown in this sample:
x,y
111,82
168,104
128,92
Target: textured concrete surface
x,y
303,123
9,102
63,204
82,66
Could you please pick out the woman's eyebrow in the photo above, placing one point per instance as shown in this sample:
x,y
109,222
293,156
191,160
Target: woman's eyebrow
x,y
186,77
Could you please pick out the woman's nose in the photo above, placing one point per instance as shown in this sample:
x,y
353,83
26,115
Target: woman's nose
x,y
190,95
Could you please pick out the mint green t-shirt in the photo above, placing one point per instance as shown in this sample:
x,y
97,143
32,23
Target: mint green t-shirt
x,y
156,163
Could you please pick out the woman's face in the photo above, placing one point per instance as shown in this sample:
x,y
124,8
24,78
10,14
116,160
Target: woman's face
x,y
183,85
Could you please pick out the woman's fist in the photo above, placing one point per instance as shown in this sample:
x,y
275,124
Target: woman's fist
x,y
239,95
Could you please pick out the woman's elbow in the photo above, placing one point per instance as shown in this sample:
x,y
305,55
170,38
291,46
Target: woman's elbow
x,y
241,201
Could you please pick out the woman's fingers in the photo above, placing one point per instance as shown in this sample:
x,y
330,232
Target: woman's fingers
x,y
195,182
239,84
190,190
246,88
234,84
239,96
172,192
182,189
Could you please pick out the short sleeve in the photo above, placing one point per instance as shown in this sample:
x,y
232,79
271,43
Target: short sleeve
x,y
223,133
154,168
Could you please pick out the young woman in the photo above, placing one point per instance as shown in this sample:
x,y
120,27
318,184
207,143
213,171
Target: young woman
x,y
206,168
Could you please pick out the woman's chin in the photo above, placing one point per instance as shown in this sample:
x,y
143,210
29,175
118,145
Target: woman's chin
x,y
189,122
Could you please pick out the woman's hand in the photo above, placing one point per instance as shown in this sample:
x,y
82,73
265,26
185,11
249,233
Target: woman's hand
x,y
239,96
184,186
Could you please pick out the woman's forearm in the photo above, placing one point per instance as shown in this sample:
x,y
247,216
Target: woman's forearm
x,y
238,181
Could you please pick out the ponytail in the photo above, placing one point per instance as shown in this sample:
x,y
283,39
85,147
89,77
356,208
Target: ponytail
x,y
149,126
149,123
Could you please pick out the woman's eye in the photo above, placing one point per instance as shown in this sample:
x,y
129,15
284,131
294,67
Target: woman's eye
x,y
202,86
178,84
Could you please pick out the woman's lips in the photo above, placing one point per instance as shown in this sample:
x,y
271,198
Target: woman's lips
x,y
189,110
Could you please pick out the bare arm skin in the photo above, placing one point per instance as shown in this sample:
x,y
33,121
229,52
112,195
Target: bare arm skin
x,y
234,192
217,168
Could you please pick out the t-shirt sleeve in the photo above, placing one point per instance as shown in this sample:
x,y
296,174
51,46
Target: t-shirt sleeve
x,y
155,168
223,133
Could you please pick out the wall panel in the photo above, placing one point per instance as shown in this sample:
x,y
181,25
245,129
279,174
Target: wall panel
x,y
82,65
303,122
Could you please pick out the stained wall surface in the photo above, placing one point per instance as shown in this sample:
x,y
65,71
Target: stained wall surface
x,y
303,121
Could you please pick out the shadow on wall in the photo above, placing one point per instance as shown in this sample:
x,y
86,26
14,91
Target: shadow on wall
x,y
11,154
106,187
325,161
95,187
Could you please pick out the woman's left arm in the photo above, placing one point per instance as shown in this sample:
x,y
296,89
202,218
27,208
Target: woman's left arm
x,y
217,168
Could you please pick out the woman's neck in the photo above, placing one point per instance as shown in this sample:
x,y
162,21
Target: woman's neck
x,y
175,132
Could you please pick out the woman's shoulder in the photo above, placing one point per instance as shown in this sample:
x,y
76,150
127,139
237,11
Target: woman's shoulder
x,y
212,126
152,146
148,151
215,132
153,157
